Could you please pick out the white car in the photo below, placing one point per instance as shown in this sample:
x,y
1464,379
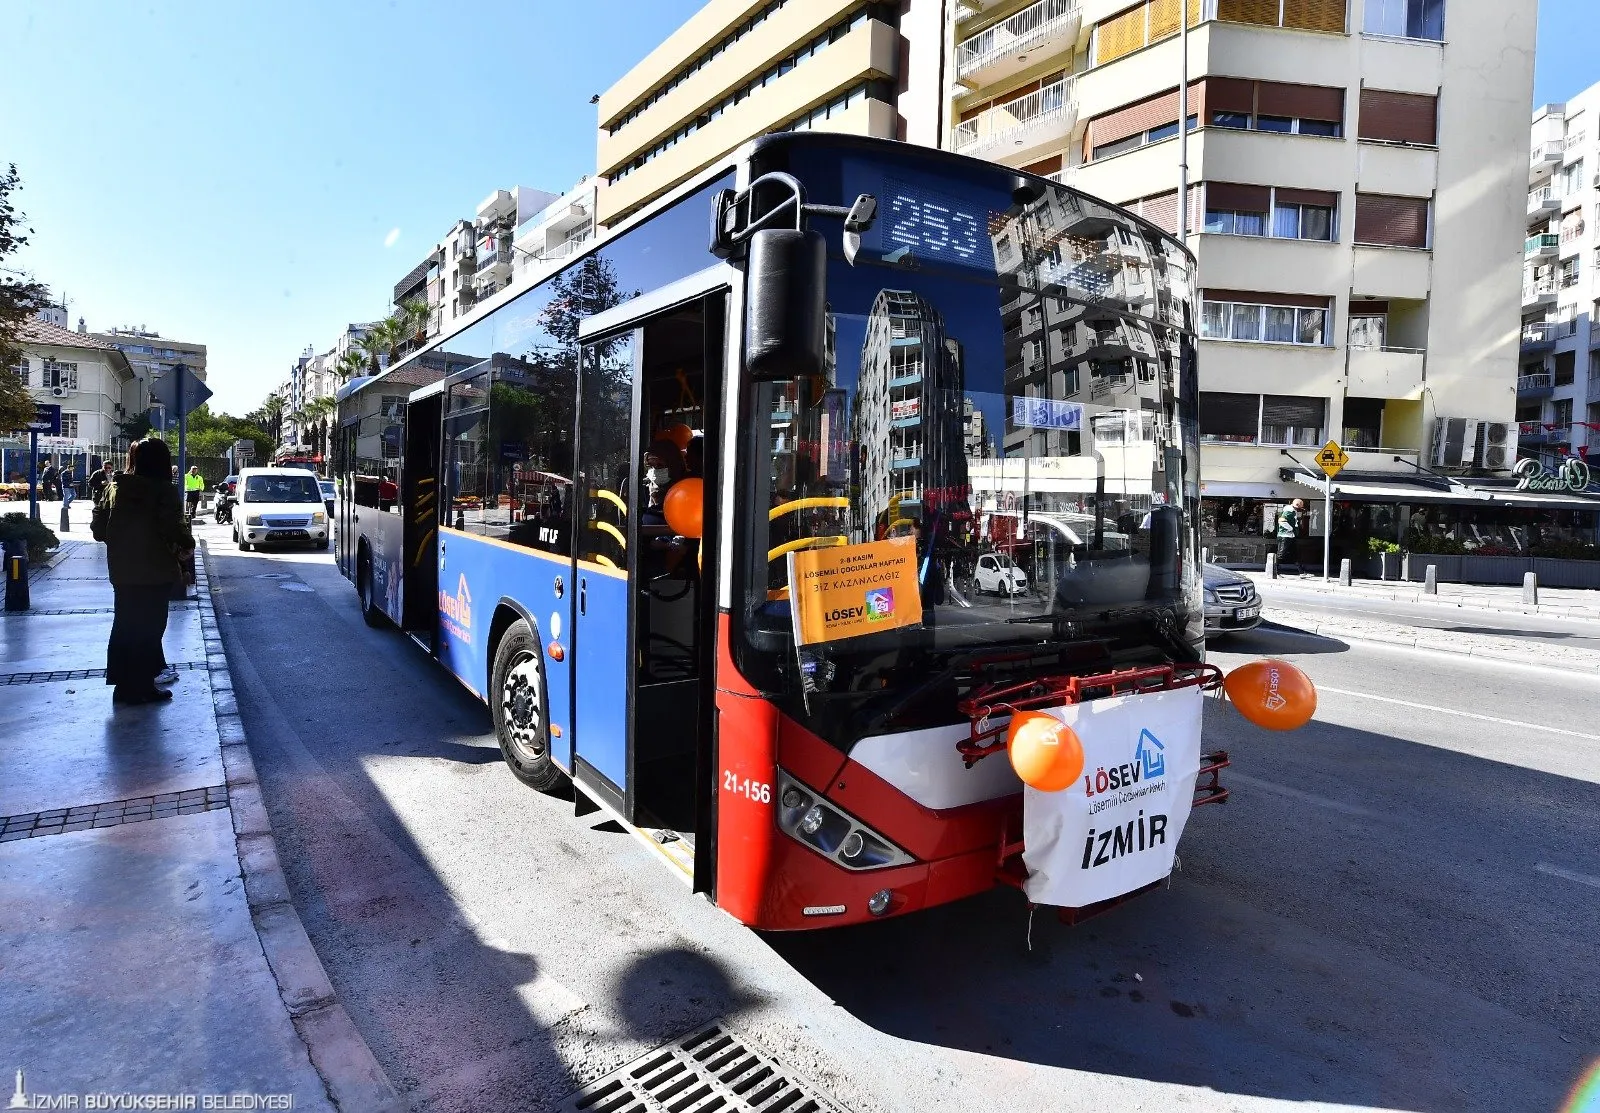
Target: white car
x,y
996,574
277,505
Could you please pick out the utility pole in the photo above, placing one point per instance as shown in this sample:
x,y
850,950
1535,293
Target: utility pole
x,y
181,371
1183,124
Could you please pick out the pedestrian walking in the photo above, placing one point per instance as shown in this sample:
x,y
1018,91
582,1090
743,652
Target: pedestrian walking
x,y
47,481
193,486
98,482
1289,535
148,543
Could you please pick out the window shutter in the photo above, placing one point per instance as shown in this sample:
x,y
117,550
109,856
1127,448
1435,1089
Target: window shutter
x,y
1398,117
1238,198
1262,12
1308,102
1391,221
1369,309
1314,15
1255,297
1325,198
1119,35
1230,94
1229,415
1140,116
1045,166
1288,409
1161,210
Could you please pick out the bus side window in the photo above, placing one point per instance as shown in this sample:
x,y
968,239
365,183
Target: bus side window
x,y
466,454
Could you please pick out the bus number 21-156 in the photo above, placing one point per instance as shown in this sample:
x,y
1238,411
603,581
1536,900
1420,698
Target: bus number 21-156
x,y
754,790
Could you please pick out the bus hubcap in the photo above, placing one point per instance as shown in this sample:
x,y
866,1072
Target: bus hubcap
x,y
520,702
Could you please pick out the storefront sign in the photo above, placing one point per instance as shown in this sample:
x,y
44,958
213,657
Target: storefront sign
x,y
1045,413
850,590
1572,475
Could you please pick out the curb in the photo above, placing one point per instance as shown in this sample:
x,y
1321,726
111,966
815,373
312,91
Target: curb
x,y
1405,637
1554,610
354,1080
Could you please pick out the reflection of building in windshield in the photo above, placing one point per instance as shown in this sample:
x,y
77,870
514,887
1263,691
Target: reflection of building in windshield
x,y
910,418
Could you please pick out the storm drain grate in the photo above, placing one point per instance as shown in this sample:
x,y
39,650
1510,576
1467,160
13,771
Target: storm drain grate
x,y
53,675
709,1071
57,821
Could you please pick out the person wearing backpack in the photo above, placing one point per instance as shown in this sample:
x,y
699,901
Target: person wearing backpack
x,y
140,518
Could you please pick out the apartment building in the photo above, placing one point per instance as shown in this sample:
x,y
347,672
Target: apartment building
x,y
1351,206
1558,387
551,235
742,68
151,355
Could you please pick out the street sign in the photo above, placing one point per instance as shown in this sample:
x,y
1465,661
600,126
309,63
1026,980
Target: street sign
x,y
164,388
46,419
1332,459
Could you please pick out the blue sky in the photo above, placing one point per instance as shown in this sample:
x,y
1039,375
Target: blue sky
x,y
233,173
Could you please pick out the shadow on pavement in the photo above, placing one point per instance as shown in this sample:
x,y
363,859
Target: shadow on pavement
x,y
1361,923
1277,637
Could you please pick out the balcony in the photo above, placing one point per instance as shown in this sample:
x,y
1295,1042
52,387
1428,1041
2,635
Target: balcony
x,y
1543,202
1543,246
1000,52
1534,386
972,9
1538,336
550,225
1385,372
1023,130
1544,158
491,260
1537,432
1540,294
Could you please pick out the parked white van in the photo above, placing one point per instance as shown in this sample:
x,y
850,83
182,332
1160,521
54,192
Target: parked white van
x,y
277,505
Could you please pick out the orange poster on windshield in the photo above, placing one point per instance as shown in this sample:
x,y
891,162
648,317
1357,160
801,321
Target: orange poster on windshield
x,y
851,590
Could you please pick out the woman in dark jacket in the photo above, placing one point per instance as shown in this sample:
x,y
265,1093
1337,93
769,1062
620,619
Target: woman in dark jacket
x,y
140,518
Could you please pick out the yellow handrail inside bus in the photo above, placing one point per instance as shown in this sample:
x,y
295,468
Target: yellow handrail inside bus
x,y
601,558
607,527
805,543
612,497
807,504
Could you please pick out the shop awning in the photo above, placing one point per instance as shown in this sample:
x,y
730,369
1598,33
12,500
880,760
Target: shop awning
x,y
1366,489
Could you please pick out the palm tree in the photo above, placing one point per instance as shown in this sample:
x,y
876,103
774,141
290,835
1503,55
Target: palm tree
x,y
414,315
316,413
350,365
272,414
374,345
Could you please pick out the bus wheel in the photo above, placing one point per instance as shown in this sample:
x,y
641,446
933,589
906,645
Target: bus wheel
x,y
371,613
518,703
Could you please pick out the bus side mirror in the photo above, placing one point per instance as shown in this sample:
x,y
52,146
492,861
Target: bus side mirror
x,y
786,285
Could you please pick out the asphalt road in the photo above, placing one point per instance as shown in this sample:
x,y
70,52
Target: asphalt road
x,y
1395,910
1551,629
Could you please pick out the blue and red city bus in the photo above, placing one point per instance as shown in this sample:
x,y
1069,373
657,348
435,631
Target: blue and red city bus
x,y
865,353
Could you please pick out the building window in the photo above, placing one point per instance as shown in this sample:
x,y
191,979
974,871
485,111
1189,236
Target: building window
x,y
1566,368
1368,333
1594,369
1398,118
1232,222
1406,19
1572,183
1272,419
1264,323
1302,222
1140,139
69,425
22,372
1569,272
1301,15
1391,221
1291,420
62,375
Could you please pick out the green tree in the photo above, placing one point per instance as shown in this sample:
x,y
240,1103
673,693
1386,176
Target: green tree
x,y
350,365
20,298
374,345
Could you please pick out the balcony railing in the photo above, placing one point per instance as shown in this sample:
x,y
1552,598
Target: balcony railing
x,y
1030,26
1534,291
1552,151
1539,198
1574,140
1539,332
1546,243
489,259
1013,117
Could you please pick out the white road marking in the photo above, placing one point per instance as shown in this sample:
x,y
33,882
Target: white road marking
x,y
1298,794
1570,875
1462,714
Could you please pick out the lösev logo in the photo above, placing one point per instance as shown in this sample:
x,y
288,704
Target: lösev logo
x,y
458,607
880,604
1149,764
1572,475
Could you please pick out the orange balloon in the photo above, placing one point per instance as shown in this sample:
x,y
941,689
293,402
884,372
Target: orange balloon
x,y
685,507
1045,752
1272,694
679,435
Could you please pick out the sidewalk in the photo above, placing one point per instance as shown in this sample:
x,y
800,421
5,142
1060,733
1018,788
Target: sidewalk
x,y
138,955
1560,601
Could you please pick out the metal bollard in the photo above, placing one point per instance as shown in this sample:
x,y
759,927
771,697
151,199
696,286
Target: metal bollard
x,y
1272,566
1405,568
66,518
1530,587
1344,572
1205,555
16,561
1430,583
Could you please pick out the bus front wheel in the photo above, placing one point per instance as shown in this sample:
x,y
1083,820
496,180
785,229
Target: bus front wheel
x,y
518,701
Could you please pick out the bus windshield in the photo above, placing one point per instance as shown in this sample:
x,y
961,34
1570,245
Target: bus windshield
x,y
1010,372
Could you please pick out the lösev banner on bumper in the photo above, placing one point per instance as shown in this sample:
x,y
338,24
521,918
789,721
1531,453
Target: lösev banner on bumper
x,y
1117,828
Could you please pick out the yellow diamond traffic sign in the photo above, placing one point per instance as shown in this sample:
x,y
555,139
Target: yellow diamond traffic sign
x,y
1332,459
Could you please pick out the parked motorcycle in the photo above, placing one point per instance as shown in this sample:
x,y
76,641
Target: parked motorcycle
x,y
224,504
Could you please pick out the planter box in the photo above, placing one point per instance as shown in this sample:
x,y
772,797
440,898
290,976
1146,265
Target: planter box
x,y
1506,570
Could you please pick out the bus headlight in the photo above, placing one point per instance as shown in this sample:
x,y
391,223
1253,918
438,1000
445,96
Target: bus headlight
x,y
831,832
